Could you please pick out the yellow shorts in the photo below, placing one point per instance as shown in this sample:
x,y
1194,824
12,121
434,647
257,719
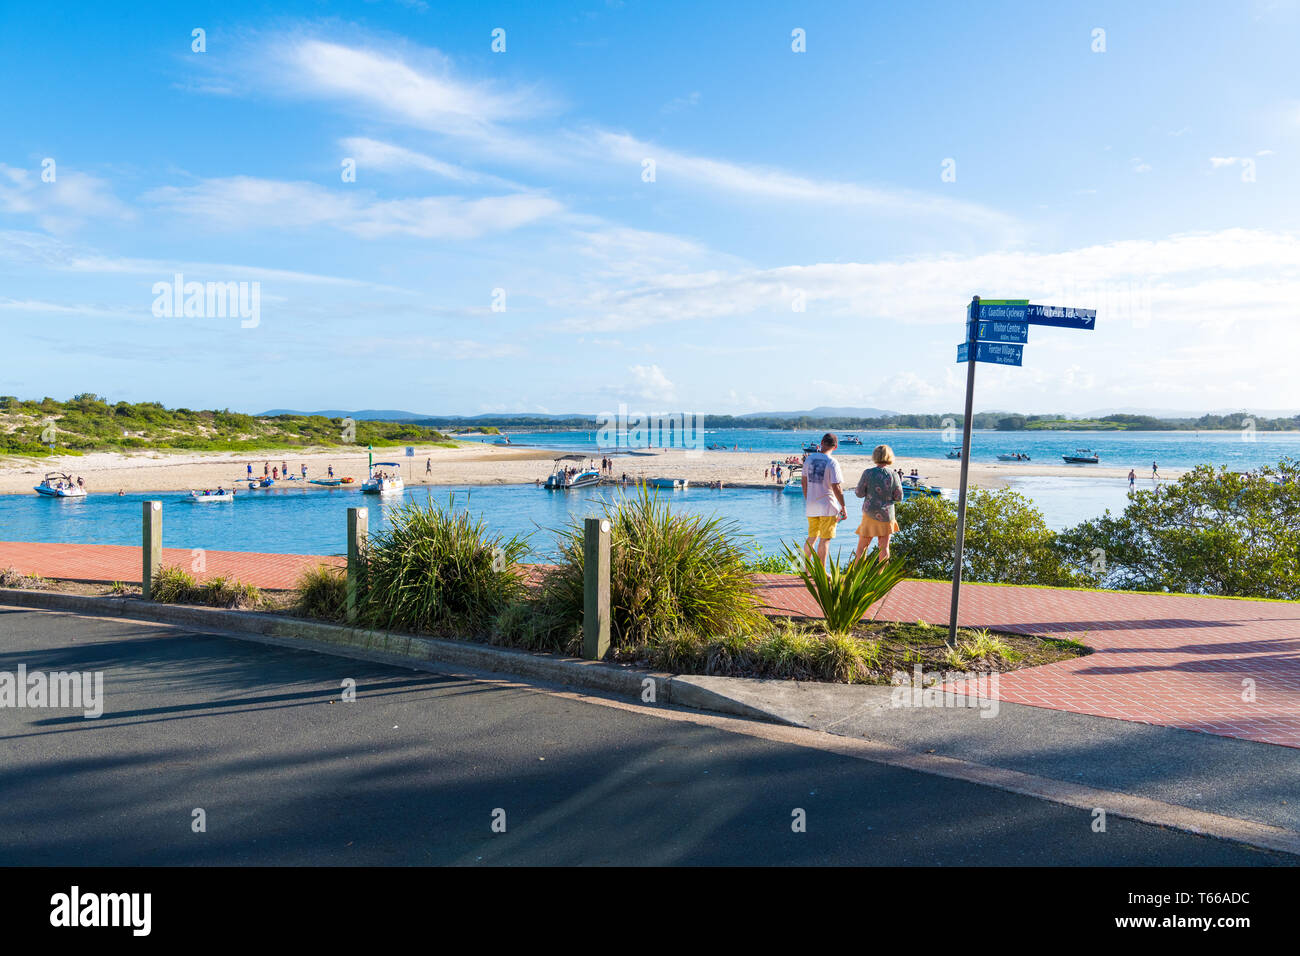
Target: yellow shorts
x,y
871,528
823,526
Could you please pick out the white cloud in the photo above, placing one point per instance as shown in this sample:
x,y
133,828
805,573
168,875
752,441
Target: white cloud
x,y
650,384
388,157
244,202
777,185
61,205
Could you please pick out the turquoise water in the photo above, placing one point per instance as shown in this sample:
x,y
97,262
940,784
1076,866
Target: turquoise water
x,y
301,521
1117,449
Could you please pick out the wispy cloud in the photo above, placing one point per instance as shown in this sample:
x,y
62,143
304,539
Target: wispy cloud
x,y
62,205
244,202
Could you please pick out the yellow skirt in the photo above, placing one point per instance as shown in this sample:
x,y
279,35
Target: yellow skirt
x,y
871,528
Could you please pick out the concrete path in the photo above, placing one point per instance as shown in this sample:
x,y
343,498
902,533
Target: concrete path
x,y
1224,667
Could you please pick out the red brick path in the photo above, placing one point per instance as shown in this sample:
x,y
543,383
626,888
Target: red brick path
x,y
1174,661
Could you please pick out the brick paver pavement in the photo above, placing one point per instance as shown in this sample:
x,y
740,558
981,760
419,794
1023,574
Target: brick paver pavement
x,y
1183,662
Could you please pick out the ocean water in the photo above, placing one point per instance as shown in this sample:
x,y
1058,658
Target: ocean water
x,y
1178,449
314,520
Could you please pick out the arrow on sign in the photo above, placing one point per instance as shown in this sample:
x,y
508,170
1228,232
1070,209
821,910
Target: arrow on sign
x,y
1058,316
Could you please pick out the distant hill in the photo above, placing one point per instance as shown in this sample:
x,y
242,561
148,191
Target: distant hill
x,y
826,411
366,414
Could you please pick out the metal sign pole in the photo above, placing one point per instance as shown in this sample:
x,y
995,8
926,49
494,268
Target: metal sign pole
x,y
972,326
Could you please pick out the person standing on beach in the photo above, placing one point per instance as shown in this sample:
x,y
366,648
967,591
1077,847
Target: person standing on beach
x,y
879,487
823,497
250,469
428,466
1155,472
1132,480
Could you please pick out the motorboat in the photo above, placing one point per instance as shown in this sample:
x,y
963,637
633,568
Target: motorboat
x,y
716,446
384,482
255,484
954,453
811,447
209,497
1082,456
1014,456
913,488
567,475
56,484
850,440
674,483
794,483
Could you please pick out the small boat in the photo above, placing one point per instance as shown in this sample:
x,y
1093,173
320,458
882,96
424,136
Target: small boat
x,y
954,453
383,482
209,497
850,440
257,483
346,481
1015,456
912,488
327,482
1082,456
794,483
811,447
716,446
674,483
58,485
564,476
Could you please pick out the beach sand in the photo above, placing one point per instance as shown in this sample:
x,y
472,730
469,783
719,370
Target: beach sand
x,y
476,464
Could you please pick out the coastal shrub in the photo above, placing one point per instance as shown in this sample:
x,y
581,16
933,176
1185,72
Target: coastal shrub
x,y
173,585
1211,532
437,570
846,592
322,592
762,563
1007,540
670,574
13,578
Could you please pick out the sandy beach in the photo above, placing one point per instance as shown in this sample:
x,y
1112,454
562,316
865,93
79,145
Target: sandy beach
x,y
476,464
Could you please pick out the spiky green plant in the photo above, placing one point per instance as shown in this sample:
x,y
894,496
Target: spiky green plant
x,y
846,592
670,575
438,570
172,585
322,592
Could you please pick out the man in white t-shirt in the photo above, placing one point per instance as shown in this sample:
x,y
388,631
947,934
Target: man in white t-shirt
x,y
823,497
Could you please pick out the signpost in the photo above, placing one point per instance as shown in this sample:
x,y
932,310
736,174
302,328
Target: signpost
x,y
996,333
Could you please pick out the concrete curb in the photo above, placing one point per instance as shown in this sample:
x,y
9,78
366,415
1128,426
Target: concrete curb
x,y
396,648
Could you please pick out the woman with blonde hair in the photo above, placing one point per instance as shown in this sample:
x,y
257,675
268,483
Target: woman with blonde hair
x,y
879,487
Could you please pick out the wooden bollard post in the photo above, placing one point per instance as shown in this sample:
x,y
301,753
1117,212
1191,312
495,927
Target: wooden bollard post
x,y
358,523
151,549
595,567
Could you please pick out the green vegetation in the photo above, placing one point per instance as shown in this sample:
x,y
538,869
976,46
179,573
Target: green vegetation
x,y
761,563
322,592
1211,532
13,578
1007,540
846,592
176,586
671,577
438,571
88,422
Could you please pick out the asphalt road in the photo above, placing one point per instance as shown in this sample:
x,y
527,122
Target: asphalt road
x,y
412,772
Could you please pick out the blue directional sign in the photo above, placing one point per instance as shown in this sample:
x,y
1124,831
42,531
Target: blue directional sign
x,y
996,331
995,353
1058,316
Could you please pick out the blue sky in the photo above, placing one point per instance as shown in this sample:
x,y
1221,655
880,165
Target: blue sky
x,y
799,244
